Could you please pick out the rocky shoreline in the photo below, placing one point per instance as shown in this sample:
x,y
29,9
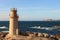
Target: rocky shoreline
x,y
31,36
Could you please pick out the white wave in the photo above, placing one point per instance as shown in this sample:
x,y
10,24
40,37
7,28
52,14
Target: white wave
x,y
46,28
3,27
49,28
36,27
5,31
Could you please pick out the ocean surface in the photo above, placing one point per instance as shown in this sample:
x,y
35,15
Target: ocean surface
x,y
34,26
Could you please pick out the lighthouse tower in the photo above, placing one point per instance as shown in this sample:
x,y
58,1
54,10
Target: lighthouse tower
x,y
13,24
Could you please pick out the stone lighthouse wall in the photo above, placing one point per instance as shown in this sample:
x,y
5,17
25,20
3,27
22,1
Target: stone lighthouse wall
x,y
13,26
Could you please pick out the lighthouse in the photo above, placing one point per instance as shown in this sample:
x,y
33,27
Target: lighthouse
x,y
13,24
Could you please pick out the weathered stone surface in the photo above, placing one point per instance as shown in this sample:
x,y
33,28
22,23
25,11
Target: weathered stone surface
x,y
13,24
45,35
40,35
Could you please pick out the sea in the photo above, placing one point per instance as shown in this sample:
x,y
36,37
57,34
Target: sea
x,y
33,26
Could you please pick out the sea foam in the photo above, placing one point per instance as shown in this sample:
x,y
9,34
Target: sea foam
x,y
5,31
46,28
3,27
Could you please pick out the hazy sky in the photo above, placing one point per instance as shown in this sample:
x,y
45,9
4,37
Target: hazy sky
x,y
31,9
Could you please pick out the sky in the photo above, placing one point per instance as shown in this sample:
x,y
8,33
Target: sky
x,y
31,10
